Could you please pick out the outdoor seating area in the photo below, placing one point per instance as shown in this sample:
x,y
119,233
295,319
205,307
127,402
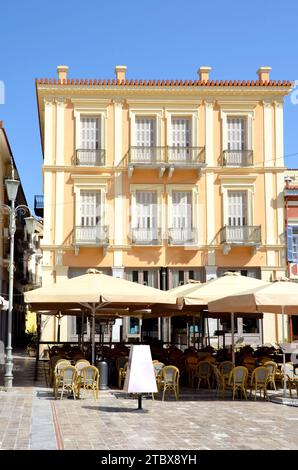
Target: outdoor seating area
x,y
254,372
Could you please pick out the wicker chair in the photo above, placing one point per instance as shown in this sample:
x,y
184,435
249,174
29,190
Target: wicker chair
x,y
225,368
259,381
170,380
238,380
203,373
56,380
272,367
89,380
68,381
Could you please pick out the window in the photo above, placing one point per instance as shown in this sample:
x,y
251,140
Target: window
x,y
146,217
179,277
146,277
292,243
181,138
237,208
90,133
90,208
250,325
227,325
236,128
181,229
145,132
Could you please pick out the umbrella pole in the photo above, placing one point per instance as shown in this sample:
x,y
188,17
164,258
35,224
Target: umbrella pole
x,y
283,352
93,337
194,331
82,332
233,337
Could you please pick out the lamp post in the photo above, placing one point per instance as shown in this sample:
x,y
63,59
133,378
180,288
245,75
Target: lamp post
x,y
12,186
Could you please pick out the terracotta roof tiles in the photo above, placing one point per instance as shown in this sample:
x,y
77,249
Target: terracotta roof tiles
x,y
167,83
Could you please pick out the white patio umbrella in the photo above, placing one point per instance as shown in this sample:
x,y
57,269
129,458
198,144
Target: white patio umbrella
x,y
228,284
276,297
96,292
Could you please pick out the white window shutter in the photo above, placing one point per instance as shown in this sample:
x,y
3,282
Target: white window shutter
x,y
237,208
90,133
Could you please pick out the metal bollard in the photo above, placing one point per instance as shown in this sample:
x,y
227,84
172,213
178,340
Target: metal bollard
x,y
103,375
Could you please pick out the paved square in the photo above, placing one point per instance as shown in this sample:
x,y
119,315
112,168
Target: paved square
x,y
31,419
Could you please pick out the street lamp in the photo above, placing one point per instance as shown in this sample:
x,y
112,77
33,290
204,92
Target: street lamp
x,y
12,186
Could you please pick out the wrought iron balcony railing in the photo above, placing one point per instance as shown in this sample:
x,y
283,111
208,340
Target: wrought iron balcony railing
x,y
185,155
182,236
241,235
146,236
90,157
94,235
237,158
147,155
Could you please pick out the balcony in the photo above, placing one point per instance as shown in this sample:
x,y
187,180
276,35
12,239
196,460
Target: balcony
x,y
38,205
146,236
165,157
90,157
246,235
238,158
91,236
182,236
185,157
147,157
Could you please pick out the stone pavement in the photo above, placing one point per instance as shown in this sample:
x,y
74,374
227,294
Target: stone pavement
x,y
31,419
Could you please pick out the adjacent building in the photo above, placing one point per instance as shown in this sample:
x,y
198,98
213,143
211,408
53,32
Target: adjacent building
x,y
291,222
22,254
162,181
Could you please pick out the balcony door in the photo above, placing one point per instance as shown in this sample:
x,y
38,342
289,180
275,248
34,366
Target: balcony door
x,y
181,217
146,138
236,128
146,216
90,140
237,215
181,139
90,216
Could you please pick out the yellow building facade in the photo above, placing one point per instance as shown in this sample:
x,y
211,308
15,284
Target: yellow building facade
x,y
162,181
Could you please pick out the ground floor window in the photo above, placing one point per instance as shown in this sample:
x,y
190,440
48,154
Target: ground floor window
x,y
250,325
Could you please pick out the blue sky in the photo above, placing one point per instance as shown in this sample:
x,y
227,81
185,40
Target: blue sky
x,y
155,39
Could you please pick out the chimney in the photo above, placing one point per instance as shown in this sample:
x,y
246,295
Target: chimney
x,y
203,73
264,73
120,71
62,72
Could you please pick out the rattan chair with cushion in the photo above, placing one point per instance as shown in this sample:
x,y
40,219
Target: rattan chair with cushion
x,y
170,380
158,366
68,381
56,375
203,373
259,381
225,368
89,380
272,367
80,364
238,380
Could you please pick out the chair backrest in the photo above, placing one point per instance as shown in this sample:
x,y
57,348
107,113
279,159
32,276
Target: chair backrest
x,y
158,367
81,363
89,374
170,374
225,367
68,375
120,362
271,366
238,375
288,368
61,364
204,368
260,375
